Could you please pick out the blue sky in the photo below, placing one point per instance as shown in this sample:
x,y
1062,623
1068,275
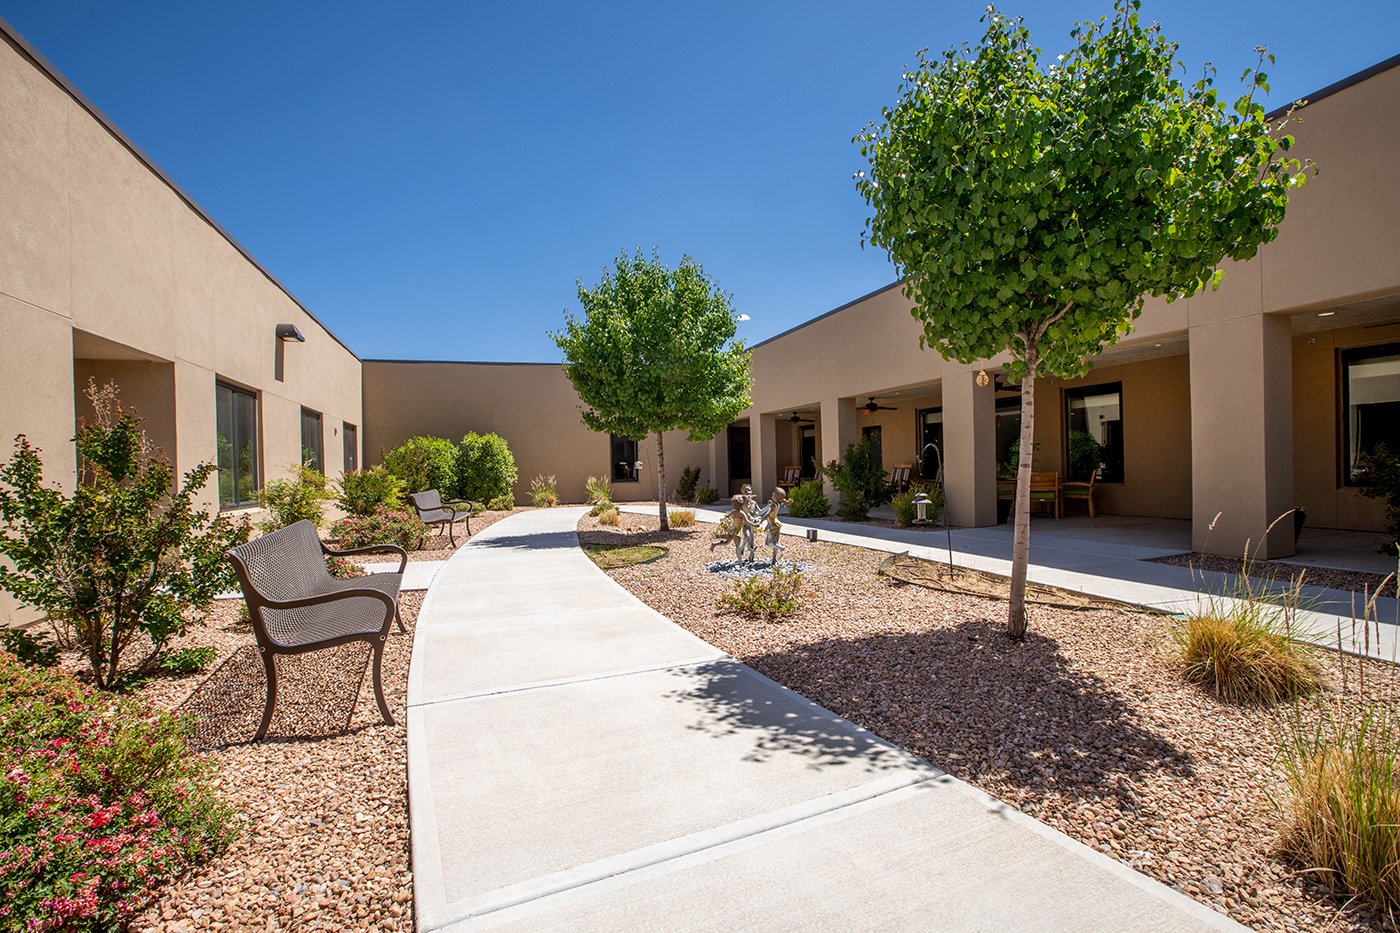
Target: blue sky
x,y
431,178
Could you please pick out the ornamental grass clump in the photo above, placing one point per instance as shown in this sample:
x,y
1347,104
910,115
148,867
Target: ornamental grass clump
x,y
768,596
543,493
682,518
610,516
384,526
124,558
101,804
599,489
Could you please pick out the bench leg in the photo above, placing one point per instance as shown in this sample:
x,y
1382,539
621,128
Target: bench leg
x,y
399,619
378,683
451,540
270,667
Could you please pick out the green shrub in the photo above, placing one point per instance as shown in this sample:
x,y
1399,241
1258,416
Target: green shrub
x,y
1085,455
385,526
859,479
808,501
681,518
423,463
542,492
363,491
1378,470
1342,806
290,500
905,511
599,490
36,649
484,468
601,506
685,488
126,555
188,660
768,596
707,495
504,503
102,806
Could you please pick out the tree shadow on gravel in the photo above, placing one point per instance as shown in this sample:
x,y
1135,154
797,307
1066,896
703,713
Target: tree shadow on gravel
x,y
732,701
609,538
969,700
316,696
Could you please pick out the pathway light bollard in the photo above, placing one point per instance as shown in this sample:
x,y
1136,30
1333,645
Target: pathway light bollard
x,y
921,504
811,534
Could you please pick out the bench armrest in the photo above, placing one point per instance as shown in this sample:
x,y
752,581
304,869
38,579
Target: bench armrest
x,y
335,597
372,549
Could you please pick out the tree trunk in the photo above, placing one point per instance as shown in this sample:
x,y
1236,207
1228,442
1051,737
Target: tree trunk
x,y
1021,547
661,481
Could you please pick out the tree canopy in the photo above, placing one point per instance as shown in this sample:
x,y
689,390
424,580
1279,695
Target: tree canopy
x,y
1032,209
655,351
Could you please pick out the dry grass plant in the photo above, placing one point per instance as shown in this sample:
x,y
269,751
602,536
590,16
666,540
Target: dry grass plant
x,y
610,517
682,518
1244,644
1341,766
543,493
599,490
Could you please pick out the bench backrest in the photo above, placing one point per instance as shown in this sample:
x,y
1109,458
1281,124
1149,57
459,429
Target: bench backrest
x,y
900,474
282,564
1045,482
792,474
427,500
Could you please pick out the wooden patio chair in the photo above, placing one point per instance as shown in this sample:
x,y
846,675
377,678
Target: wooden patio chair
x,y
1079,491
900,475
1045,489
296,606
792,478
431,511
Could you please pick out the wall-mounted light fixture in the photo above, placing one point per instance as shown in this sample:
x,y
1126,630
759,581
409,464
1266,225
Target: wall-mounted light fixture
x,y
289,332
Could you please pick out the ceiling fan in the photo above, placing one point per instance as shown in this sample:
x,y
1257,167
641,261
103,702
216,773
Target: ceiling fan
x,y
798,419
870,407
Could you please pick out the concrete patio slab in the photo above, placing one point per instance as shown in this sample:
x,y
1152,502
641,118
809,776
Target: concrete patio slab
x,y
576,768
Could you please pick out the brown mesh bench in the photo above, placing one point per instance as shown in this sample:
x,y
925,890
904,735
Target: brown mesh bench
x,y
296,606
431,511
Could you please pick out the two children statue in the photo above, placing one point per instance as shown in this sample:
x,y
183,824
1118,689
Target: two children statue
x,y
746,518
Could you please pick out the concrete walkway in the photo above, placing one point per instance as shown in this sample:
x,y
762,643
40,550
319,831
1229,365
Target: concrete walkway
x,y
578,762
1111,557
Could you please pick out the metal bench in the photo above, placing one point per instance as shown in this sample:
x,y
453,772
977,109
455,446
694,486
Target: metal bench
x,y
296,606
431,511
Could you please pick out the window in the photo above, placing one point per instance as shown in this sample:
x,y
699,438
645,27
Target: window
x,y
930,421
311,450
1370,402
624,459
352,449
236,427
1008,433
740,463
873,430
1098,412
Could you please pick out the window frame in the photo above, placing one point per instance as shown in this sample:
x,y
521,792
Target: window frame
x,y
251,397
1080,392
320,449
618,458
1345,358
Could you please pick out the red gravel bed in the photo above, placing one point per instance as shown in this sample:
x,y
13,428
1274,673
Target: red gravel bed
x,y
1087,725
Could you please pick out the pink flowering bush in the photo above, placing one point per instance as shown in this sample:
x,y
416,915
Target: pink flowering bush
x,y
342,569
385,526
100,804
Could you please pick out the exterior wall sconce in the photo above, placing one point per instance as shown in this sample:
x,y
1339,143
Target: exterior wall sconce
x,y
983,378
289,332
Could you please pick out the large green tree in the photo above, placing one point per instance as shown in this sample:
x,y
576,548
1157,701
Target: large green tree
x,y
655,352
1031,209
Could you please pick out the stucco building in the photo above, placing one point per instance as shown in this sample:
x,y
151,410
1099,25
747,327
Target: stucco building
x,y
1243,402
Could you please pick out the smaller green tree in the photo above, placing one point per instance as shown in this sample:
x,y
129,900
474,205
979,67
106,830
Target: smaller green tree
x,y
485,468
300,496
424,463
126,554
859,479
655,352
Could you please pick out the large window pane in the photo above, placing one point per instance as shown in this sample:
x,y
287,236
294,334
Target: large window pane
x,y
1008,430
1096,411
236,424
352,449
930,443
1372,399
624,459
311,451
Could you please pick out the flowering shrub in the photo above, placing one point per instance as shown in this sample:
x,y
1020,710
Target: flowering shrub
x,y
385,526
340,568
100,804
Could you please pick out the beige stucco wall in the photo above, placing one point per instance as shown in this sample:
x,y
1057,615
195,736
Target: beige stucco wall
x,y
533,406
94,242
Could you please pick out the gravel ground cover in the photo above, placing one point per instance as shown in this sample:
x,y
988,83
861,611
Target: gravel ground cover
x,y
439,547
1086,726
324,802
1354,581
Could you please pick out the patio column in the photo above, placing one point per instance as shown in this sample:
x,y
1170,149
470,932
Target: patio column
x,y
719,463
969,450
763,453
838,430
1242,436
